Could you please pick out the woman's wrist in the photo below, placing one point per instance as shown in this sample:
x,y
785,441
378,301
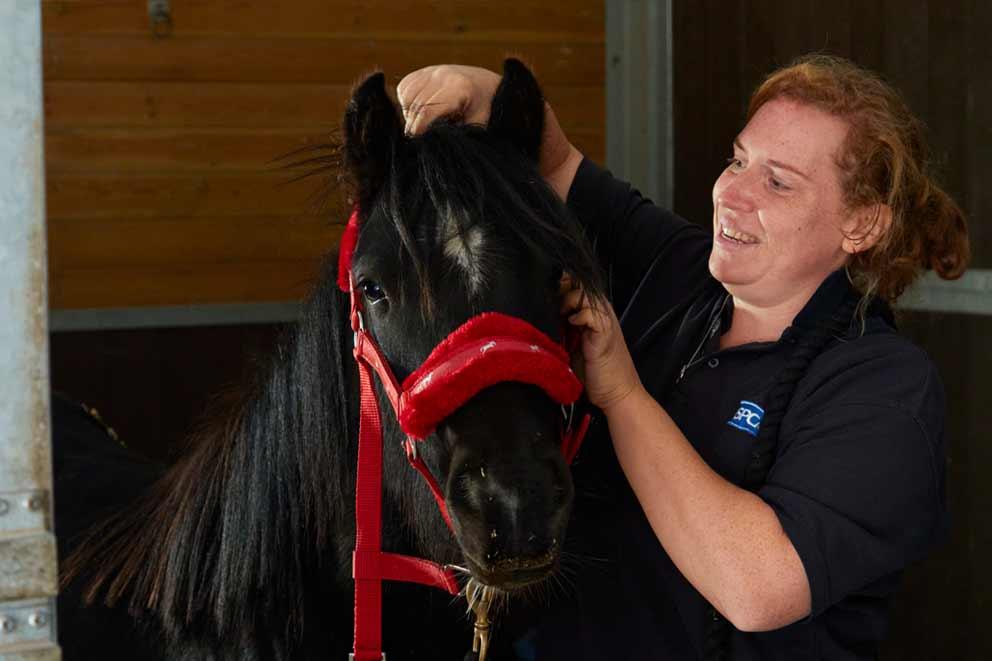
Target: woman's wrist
x,y
627,402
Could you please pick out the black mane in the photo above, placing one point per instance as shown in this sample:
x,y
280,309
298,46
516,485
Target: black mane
x,y
226,547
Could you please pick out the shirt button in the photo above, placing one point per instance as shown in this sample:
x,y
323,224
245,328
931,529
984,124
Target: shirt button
x,y
713,362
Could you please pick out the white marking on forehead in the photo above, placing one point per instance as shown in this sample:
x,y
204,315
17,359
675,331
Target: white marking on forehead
x,y
464,249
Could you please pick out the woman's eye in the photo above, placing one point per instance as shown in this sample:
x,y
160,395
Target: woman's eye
x,y
776,184
734,163
373,292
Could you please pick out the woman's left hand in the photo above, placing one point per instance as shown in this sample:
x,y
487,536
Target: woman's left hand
x,y
609,371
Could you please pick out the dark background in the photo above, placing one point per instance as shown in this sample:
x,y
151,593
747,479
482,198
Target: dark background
x,y
152,384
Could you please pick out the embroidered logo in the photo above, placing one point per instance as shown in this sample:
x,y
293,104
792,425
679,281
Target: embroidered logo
x,y
748,417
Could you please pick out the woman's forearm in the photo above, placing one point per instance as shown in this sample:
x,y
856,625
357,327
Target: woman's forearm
x,y
725,540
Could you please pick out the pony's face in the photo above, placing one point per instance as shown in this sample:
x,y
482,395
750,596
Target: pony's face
x,y
455,223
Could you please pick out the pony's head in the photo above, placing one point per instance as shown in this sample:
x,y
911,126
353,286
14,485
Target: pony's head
x,y
455,223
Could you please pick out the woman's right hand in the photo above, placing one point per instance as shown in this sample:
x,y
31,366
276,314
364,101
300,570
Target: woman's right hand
x,y
446,90
465,94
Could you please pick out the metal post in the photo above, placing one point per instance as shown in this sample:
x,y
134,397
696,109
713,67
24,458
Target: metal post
x,y
640,139
28,575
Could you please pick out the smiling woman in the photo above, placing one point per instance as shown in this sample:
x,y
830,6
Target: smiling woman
x,y
778,446
778,214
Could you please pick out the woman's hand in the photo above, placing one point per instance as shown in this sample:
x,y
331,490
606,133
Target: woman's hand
x,y
609,373
465,94
459,92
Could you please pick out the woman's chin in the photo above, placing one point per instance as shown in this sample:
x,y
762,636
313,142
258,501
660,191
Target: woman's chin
x,y
731,270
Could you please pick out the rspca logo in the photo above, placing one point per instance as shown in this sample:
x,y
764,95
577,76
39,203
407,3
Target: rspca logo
x,y
748,417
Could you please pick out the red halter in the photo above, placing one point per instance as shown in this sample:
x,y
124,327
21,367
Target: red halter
x,y
488,349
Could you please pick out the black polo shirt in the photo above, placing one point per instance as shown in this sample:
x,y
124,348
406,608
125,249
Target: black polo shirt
x,y
857,482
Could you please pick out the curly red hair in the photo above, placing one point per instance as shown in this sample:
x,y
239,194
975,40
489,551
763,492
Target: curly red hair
x,y
884,160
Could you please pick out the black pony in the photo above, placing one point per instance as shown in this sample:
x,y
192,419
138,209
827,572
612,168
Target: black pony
x,y
241,550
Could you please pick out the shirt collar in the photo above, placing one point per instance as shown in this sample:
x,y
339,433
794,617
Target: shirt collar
x,y
824,301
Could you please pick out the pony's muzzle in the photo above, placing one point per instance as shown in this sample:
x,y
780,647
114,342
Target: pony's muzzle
x,y
511,530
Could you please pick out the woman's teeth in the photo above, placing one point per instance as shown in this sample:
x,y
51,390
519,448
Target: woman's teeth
x,y
740,237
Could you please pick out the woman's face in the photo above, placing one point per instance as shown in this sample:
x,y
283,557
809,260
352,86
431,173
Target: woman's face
x,y
778,209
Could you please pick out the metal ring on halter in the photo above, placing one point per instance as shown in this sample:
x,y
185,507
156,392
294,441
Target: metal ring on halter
x,y
361,327
568,414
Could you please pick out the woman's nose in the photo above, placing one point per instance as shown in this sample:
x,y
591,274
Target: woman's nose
x,y
736,190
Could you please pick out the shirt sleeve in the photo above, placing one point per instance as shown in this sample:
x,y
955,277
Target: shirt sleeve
x,y
858,483
635,240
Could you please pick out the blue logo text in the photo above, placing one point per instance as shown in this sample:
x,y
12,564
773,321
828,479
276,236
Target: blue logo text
x,y
748,417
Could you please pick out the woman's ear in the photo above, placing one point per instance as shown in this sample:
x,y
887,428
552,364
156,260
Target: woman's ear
x,y
865,227
517,113
372,130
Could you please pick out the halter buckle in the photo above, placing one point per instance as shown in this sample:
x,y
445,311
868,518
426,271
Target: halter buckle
x,y
358,327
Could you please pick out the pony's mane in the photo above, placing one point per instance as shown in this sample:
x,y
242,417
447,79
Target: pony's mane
x,y
222,546
224,550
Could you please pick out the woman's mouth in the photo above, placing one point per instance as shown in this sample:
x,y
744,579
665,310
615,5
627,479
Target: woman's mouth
x,y
737,237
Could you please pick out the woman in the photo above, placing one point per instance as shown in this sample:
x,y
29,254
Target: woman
x,y
783,445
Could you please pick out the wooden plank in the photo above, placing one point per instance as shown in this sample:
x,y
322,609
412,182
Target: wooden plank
x,y
196,150
978,166
286,60
156,104
549,19
129,150
124,242
591,143
908,52
182,284
150,104
868,35
167,195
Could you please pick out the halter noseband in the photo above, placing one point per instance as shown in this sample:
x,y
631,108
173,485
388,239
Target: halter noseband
x,y
487,349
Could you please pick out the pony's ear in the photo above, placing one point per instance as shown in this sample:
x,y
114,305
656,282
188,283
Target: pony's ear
x,y
517,113
372,129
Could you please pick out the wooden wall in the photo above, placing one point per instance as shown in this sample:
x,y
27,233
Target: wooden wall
x,y
935,52
161,189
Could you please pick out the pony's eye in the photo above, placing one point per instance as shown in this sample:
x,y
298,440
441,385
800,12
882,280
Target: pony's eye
x,y
372,291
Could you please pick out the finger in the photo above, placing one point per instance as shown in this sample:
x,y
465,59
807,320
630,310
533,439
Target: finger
x,y
410,87
422,114
592,318
433,104
584,317
571,301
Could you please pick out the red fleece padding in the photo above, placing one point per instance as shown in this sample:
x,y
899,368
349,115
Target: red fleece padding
x,y
346,248
459,368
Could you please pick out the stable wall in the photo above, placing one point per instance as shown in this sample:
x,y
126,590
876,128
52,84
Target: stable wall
x,y
159,149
